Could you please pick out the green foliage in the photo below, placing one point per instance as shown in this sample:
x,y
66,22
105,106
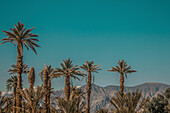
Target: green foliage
x,y
74,104
158,104
127,103
34,100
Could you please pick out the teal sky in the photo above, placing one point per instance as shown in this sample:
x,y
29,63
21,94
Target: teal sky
x,y
100,30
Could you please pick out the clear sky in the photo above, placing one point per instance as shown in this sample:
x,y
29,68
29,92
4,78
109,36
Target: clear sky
x,y
100,30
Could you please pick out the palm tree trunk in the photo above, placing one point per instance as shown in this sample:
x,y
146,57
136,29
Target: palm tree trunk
x,y
67,87
48,97
46,89
30,93
14,99
121,83
88,92
72,95
19,65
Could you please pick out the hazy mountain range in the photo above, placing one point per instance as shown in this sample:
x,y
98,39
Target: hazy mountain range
x,y
100,96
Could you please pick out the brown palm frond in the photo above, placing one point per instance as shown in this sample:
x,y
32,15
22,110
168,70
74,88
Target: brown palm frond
x,y
14,69
11,82
102,111
31,76
128,103
122,68
90,67
34,100
67,69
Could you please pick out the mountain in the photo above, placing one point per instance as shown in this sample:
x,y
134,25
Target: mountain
x,y
100,96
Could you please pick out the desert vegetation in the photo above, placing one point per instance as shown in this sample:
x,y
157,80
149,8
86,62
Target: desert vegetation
x,y
38,99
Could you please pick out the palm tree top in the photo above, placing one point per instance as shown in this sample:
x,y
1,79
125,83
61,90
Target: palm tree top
x,y
50,72
20,35
14,69
122,67
90,67
68,69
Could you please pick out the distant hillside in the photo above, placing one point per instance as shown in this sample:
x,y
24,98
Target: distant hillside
x,y
100,96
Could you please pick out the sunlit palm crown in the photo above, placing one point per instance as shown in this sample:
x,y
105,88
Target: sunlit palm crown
x,y
20,35
68,69
14,69
49,70
122,68
90,67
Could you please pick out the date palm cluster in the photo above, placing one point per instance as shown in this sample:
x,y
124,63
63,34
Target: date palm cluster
x,y
39,100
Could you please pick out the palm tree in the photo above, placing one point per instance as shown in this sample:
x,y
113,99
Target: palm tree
x,y
20,37
123,69
90,68
68,70
34,100
78,94
14,71
12,82
74,104
128,103
47,74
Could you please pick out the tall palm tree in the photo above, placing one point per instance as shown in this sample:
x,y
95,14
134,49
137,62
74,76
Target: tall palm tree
x,y
123,69
20,37
90,68
68,70
47,74
12,82
14,71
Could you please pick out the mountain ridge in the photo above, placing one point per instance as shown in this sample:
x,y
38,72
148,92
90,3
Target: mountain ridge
x,y
100,96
